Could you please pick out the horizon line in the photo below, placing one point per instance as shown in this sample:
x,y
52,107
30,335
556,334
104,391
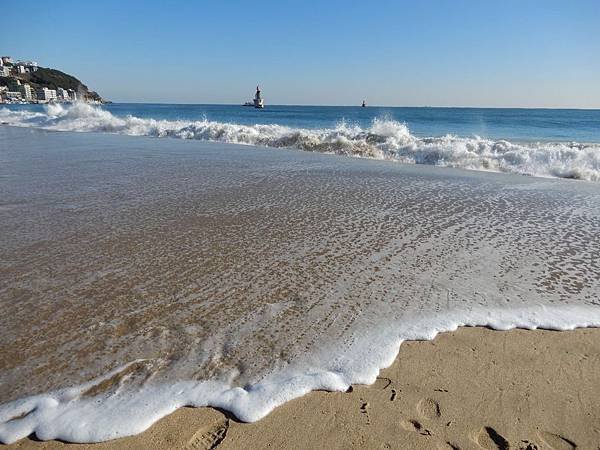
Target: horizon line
x,y
359,106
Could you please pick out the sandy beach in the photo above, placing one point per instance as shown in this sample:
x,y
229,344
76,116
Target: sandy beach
x,y
474,388
286,225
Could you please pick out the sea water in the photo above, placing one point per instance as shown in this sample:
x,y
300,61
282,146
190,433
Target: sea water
x,y
139,275
542,142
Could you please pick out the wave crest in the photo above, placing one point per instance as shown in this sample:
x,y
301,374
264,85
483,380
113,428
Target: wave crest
x,y
383,139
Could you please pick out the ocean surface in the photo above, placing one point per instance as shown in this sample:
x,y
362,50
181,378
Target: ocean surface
x,y
542,142
141,274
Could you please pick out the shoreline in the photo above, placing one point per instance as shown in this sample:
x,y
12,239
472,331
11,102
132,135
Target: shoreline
x,y
247,405
470,388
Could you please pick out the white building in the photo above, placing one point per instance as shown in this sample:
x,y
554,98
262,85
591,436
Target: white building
x,y
12,96
72,95
28,66
24,89
45,95
4,71
21,69
27,92
62,94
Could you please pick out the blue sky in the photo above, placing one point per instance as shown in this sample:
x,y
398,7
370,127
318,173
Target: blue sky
x,y
542,53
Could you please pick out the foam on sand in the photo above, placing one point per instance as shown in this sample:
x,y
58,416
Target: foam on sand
x,y
71,416
384,139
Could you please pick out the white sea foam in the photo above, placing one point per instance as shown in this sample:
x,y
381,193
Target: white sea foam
x,y
70,416
384,139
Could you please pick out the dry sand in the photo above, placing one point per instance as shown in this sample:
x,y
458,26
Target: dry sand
x,y
470,389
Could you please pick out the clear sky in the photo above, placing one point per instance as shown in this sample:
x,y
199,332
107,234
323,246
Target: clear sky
x,y
542,53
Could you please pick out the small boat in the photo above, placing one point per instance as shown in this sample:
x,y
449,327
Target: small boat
x,y
364,104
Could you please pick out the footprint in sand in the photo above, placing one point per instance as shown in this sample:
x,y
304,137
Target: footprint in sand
x,y
526,445
382,383
209,437
556,441
490,439
415,425
364,409
429,409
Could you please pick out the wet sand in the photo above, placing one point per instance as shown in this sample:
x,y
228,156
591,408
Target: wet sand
x,y
470,389
196,273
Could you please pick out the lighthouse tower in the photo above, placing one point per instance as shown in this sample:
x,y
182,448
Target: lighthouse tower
x,y
258,101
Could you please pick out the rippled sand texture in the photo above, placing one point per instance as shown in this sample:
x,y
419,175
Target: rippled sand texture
x,y
221,261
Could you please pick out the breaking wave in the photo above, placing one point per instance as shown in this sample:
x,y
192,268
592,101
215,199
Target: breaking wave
x,y
384,139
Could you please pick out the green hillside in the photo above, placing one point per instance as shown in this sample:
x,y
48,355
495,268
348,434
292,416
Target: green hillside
x,y
53,79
